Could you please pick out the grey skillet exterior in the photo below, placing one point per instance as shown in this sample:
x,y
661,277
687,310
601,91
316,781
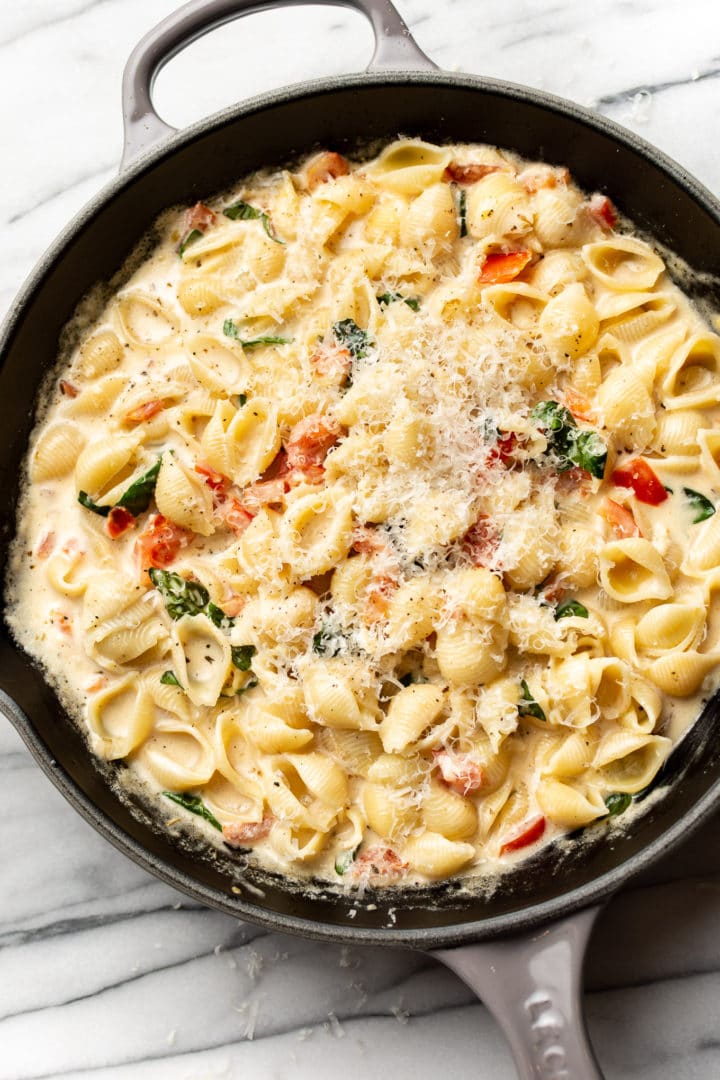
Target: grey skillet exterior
x,y
531,981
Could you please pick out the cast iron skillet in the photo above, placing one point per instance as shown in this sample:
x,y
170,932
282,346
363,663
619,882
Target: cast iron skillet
x,y
531,982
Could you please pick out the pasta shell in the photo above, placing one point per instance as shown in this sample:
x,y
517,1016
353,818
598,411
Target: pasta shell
x,y
569,322
629,761
567,807
56,452
623,263
670,628
410,712
219,368
177,756
466,657
692,379
101,354
408,167
435,856
449,814
632,570
183,497
144,321
681,675
199,296
201,658
120,718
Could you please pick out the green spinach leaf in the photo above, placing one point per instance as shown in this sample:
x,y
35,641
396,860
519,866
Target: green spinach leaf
x,y
701,505
385,299
182,597
242,656
195,805
188,239
348,334
617,802
528,706
568,444
85,500
242,211
344,861
231,330
569,608
138,496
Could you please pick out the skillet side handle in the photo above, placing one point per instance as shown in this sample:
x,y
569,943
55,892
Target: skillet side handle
x,y
533,987
394,49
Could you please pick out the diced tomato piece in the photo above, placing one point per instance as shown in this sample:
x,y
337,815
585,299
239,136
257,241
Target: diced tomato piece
x,y
263,493
96,683
68,389
293,474
118,522
326,166
45,545
240,834
602,211
620,519
529,833
277,467
639,476
142,413
369,540
61,621
575,481
379,865
235,515
468,174
377,601
160,542
234,605
500,267
543,176
309,474
579,405
332,362
503,449
460,772
551,591
481,542
310,440
214,480
199,217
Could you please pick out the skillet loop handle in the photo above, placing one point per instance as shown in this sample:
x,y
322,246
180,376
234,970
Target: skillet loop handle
x,y
394,49
533,987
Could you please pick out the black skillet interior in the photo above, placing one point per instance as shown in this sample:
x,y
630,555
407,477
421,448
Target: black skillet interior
x,y
343,116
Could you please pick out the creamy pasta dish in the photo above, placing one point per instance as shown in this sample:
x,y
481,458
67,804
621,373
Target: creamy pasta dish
x,y
373,522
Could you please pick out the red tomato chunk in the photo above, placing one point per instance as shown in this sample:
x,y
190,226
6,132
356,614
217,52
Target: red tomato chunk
x,y
160,542
500,267
638,475
461,774
468,174
529,833
248,832
119,521
620,519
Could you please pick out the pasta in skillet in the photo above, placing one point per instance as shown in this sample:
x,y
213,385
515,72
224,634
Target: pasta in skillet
x,y
374,522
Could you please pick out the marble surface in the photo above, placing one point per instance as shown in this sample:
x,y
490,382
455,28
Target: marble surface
x,y
105,973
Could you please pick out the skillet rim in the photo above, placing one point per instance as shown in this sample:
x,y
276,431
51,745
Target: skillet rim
x,y
527,917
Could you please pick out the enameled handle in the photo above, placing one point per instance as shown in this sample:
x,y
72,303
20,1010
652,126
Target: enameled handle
x,y
395,49
533,987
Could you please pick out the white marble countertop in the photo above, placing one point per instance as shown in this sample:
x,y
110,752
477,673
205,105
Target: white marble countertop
x,y
107,974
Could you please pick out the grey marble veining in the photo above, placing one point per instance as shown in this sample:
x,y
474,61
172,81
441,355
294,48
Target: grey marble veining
x,y
107,974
